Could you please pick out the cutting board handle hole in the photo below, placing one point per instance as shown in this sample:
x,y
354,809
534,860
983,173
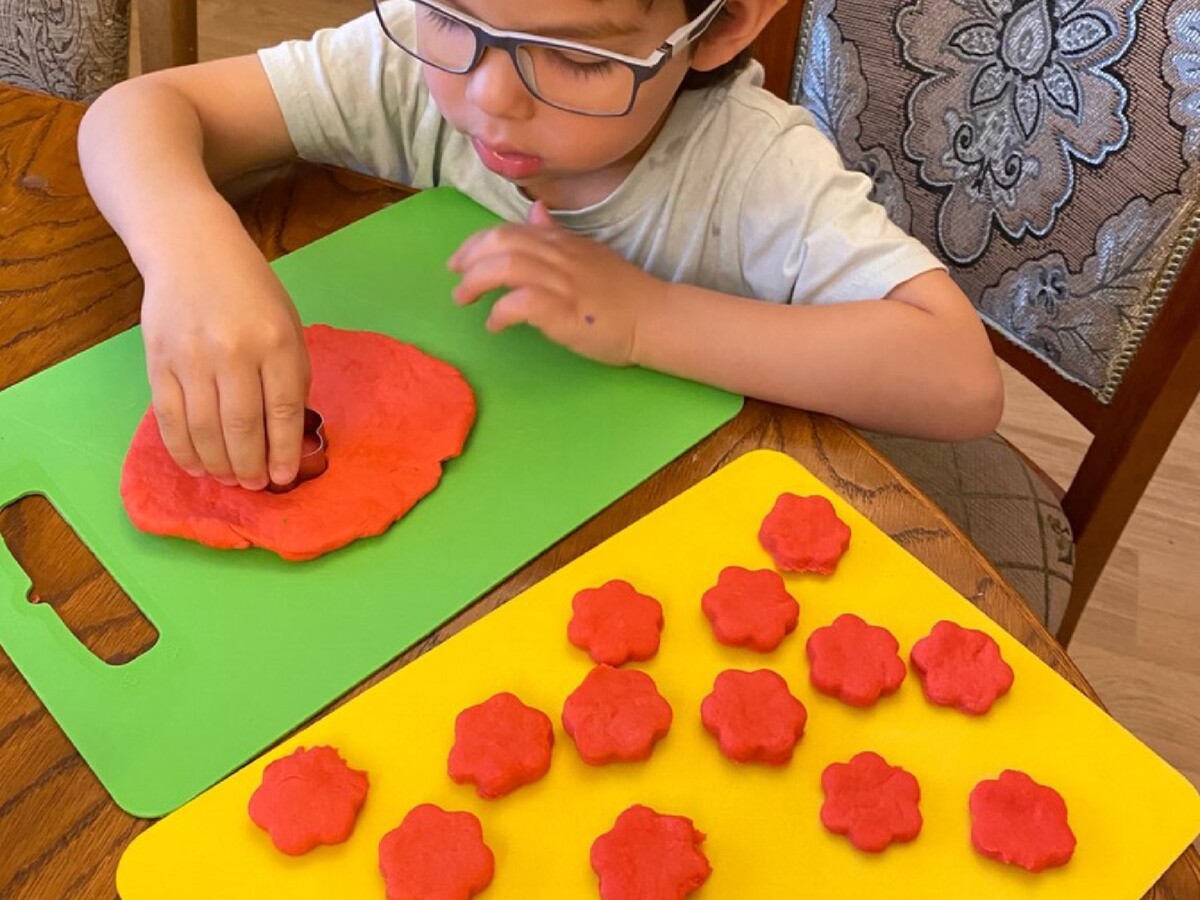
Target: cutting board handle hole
x,y
67,577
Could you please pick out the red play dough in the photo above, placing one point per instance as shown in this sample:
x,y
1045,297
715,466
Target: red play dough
x,y
649,856
392,415
750,608
435,855
615,624
874,804
616,715
804,534
500,745
1015,820
961,667
855,662
754,716
311,797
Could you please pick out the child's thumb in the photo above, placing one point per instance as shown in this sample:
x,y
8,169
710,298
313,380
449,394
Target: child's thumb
x,y
540,216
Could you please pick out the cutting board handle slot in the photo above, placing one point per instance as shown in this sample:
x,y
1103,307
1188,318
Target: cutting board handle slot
x,y
101,616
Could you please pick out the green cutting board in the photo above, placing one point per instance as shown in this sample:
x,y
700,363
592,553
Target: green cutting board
x,y
249,645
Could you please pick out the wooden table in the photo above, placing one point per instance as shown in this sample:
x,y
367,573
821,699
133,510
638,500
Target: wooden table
x,y
66,283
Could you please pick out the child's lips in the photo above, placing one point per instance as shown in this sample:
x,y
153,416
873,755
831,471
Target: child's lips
x,y
506,162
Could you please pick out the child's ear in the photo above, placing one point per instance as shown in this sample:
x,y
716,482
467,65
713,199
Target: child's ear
x,y
734,29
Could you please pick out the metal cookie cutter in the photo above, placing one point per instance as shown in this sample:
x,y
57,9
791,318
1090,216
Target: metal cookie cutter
x,y
312,460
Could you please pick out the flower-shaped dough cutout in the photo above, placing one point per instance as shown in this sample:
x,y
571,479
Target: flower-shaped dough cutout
x,y
500,745
871,802
961,667
615,624
750,608
649,856
616,715
1017,821
308,798
804,534
435,855
855,662
754,716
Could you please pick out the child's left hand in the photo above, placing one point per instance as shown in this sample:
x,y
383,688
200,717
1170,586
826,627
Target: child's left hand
x,y
576,291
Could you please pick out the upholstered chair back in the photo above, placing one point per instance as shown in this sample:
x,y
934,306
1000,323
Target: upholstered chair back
x,y
70,48
1048,150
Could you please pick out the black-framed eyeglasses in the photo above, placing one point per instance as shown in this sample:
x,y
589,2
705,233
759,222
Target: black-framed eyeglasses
x,y
567,75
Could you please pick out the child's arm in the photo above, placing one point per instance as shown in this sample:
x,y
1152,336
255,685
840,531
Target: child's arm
x,y
223,341
917,363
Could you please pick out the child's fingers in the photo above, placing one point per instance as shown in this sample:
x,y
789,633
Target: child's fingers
x,y
560,319
550,314
539,216
203,413
285,391
240,397
508,238
524,305
167,397
507,270
471,244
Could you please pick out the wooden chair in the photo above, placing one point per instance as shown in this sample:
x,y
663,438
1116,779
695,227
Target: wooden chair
x,y
78,48
1050,153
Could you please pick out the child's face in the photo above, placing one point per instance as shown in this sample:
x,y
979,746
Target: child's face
x,y
567,159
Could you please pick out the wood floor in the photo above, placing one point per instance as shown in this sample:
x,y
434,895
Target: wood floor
x,y
1139,638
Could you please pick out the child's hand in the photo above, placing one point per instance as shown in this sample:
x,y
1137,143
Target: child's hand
x,y
225,355
576,291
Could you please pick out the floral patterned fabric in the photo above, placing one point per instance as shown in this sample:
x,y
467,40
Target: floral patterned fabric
x,y
1048,150
70,48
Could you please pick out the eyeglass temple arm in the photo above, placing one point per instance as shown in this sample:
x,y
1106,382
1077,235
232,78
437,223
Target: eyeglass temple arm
x,y
691,31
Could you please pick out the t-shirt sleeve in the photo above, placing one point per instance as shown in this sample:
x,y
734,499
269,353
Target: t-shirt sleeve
x,y
352,98
810,233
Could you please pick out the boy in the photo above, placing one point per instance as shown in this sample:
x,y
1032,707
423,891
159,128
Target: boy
x,y
649,216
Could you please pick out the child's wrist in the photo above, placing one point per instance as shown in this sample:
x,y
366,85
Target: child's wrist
x,y
652,318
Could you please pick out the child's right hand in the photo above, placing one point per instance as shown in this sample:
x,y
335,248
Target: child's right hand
x,y
229,372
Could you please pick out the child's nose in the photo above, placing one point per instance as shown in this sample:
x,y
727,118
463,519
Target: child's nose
x,y
495,87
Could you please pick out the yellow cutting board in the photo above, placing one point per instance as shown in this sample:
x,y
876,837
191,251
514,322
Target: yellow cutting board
x,y
1132,814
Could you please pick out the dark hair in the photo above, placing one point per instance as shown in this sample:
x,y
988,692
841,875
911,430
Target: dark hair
x,y
695,79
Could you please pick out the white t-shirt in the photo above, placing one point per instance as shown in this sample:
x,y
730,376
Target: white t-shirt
x,y
740,192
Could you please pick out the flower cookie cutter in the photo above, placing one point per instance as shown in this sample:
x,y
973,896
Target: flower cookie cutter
x,y
313,461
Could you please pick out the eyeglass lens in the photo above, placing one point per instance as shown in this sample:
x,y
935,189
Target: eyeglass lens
x,y
569,79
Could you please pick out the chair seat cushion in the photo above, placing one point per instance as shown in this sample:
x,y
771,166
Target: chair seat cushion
x,y
1002,505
